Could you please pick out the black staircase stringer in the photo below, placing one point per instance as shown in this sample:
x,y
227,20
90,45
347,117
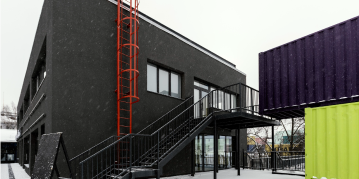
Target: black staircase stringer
x,y
185,142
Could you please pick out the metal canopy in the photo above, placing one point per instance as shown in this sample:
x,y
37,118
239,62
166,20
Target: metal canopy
x,y
243,120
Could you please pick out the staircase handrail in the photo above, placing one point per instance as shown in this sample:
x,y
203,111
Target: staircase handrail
x,y
112,144
113,136
182,113
155,134
160,143
163,116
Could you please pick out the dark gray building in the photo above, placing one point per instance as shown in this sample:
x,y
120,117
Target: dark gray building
x,y
71,78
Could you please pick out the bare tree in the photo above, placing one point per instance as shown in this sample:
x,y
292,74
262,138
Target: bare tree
x,y
13,107
293,128
296,134
262,133
5,109
8,116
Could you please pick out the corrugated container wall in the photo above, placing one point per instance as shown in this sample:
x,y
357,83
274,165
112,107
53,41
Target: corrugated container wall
x,y
317,70
332,141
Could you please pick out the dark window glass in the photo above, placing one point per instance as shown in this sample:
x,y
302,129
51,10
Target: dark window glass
x,y
163,81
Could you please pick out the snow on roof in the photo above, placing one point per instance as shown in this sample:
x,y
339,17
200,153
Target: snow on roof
x,y
7,135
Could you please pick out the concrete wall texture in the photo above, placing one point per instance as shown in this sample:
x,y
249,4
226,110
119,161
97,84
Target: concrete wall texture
x,y
80,40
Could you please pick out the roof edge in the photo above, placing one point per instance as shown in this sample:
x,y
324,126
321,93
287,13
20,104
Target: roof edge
x,y
183,39
332,26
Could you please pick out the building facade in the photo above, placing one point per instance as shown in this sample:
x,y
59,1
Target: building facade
x,y
70,81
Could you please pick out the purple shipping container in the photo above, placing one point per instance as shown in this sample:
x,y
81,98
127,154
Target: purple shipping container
x,y
317,70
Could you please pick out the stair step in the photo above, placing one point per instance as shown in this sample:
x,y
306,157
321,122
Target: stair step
x,y
146,163
153,158
113,176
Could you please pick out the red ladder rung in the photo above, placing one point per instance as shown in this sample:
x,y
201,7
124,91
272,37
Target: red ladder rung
x,y
124,126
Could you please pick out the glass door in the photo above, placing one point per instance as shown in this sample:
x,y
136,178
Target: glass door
x,y
208,153
197,107
204,104
200,91
204,152
199,153
221,152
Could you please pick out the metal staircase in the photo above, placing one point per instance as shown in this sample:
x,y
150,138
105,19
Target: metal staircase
x,y
145,153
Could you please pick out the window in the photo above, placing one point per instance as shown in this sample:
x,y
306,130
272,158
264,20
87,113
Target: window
x,y
39,72
223,100
21,115
175,85
163,81
26,100
196,83
151,78
39,75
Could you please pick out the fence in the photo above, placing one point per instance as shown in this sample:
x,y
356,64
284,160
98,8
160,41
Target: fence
x,y
285,162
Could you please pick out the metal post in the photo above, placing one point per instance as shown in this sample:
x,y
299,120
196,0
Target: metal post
x,y
193,158
252,101
240,98
202,152
158,154
273,153
215,155
239,150
243,159
130,152
225,152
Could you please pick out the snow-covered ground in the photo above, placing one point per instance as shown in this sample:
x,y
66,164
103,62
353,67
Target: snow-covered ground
x,y
4,171
232,174
19,172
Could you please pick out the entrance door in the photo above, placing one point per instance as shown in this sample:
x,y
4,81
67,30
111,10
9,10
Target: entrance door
x,y
205,152
200,91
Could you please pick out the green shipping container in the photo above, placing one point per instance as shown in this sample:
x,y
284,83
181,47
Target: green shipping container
x,y
332,142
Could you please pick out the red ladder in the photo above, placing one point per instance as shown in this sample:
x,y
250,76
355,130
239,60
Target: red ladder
x,y
127,64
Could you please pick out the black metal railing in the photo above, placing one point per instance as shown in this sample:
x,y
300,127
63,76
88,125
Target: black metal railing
x,y
257,160
244,98
237,98
143,151
146,149
284,161
167,117
75,161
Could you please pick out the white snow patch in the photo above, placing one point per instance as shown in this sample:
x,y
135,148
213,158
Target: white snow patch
x,y
4,171
19,172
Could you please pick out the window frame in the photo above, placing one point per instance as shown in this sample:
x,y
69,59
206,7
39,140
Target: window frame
x,y
158,68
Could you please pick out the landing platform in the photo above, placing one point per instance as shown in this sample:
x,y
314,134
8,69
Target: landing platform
x,y
243,119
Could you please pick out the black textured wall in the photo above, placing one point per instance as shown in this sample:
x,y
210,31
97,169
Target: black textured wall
x,y
43,40
81,77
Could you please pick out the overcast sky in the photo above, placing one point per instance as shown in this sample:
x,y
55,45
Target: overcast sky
x,y
236,30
